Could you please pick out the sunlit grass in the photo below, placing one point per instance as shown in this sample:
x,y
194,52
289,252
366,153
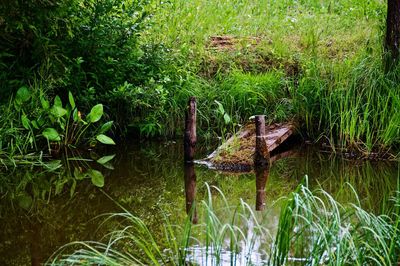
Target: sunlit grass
x,y
319,62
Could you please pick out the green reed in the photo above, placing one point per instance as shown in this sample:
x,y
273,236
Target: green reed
x,y
313,229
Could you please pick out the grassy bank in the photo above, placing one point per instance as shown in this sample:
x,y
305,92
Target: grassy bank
x,y
317,62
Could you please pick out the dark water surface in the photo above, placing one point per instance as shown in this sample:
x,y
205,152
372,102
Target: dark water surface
x,y
149,180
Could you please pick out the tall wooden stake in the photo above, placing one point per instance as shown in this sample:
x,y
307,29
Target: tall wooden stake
x,y
261,162
190,137
261,155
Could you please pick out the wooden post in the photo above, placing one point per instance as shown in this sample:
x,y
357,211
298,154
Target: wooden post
x,y
262,174
190,137
190,191
261,162
261,155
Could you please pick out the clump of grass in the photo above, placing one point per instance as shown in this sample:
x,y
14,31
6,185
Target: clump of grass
x,y
313,229
316,229
353,105
238,95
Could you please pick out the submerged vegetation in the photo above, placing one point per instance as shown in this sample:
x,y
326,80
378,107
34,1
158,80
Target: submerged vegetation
x,y
313,229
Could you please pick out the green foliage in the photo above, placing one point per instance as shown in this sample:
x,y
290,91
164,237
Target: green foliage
x,y
315,61
143,106
96,177
353,106
72,42
30,119
313,228
69,122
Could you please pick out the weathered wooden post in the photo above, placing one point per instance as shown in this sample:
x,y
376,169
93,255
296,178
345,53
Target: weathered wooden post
x,y
189,145
190,137
190,191
261,155
261,162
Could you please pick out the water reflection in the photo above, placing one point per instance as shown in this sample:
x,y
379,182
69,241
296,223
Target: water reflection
x,y
147,180
35,250
262,174
190,190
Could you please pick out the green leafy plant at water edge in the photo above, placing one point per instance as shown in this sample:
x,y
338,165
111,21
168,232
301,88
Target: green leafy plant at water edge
x,y
313,229
63,125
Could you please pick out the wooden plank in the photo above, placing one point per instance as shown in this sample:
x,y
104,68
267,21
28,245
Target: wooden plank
x,y
238,152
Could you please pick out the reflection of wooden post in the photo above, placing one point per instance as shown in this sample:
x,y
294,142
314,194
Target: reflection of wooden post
x,y
190,137
190,191
261,180
261,155
36,259
261,162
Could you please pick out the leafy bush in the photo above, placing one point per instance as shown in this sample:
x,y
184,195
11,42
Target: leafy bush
x,y
74,43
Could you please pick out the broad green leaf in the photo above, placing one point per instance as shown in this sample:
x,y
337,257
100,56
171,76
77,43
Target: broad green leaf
x,y
45,103
106,127
105,139
105,159
96,113
108,166
23,95
57,101
96,177
25,121
71,100
227,118
25,201
221,109
51,134
58,111
75,115
78,174
34,124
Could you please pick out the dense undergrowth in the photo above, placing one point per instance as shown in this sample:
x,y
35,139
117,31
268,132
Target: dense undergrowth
x,y
313,229
317,62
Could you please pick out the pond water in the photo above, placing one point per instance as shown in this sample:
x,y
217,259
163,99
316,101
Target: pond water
x,y
149,180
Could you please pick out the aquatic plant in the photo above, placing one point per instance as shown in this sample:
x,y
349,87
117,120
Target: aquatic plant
x,y
313,229
30,120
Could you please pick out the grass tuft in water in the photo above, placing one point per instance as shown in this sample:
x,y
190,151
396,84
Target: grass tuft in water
x,y
313,229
